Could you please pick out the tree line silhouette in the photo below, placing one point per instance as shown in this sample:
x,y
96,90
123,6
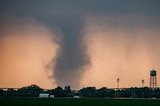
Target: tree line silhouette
x,y
87,92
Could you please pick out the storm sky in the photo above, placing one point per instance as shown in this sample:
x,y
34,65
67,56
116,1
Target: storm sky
x,y
78,42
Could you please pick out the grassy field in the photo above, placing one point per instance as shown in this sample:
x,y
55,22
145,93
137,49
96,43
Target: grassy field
x,y
77,102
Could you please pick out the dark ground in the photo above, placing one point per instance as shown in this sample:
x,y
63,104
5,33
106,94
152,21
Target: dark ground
x,y
77,102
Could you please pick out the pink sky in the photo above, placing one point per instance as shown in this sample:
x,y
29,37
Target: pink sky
x,y
28,47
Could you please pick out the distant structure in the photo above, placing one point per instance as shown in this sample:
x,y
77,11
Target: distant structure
x,y
43,95
153,79
142,83
118,80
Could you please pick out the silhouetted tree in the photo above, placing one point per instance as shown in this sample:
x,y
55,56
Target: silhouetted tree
x,y
67,92
10,93
2,93
29,91
102,92
88,92
58,92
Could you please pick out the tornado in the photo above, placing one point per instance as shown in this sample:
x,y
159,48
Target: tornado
x,y
71,58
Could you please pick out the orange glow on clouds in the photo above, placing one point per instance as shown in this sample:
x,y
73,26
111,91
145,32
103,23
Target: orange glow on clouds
x,y
26,48
117,52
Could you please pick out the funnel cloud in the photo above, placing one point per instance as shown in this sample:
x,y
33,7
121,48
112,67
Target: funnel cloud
x,y
71,58
85,28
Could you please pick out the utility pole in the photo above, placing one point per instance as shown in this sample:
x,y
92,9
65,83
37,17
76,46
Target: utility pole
x,y
142,88
142,83
117,92
118,80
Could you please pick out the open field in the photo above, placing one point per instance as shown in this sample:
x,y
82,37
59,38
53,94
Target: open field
x,y
77,102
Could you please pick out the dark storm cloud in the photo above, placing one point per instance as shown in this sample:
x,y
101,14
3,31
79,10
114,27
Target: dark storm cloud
x,y
49,11
83,7
69,16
